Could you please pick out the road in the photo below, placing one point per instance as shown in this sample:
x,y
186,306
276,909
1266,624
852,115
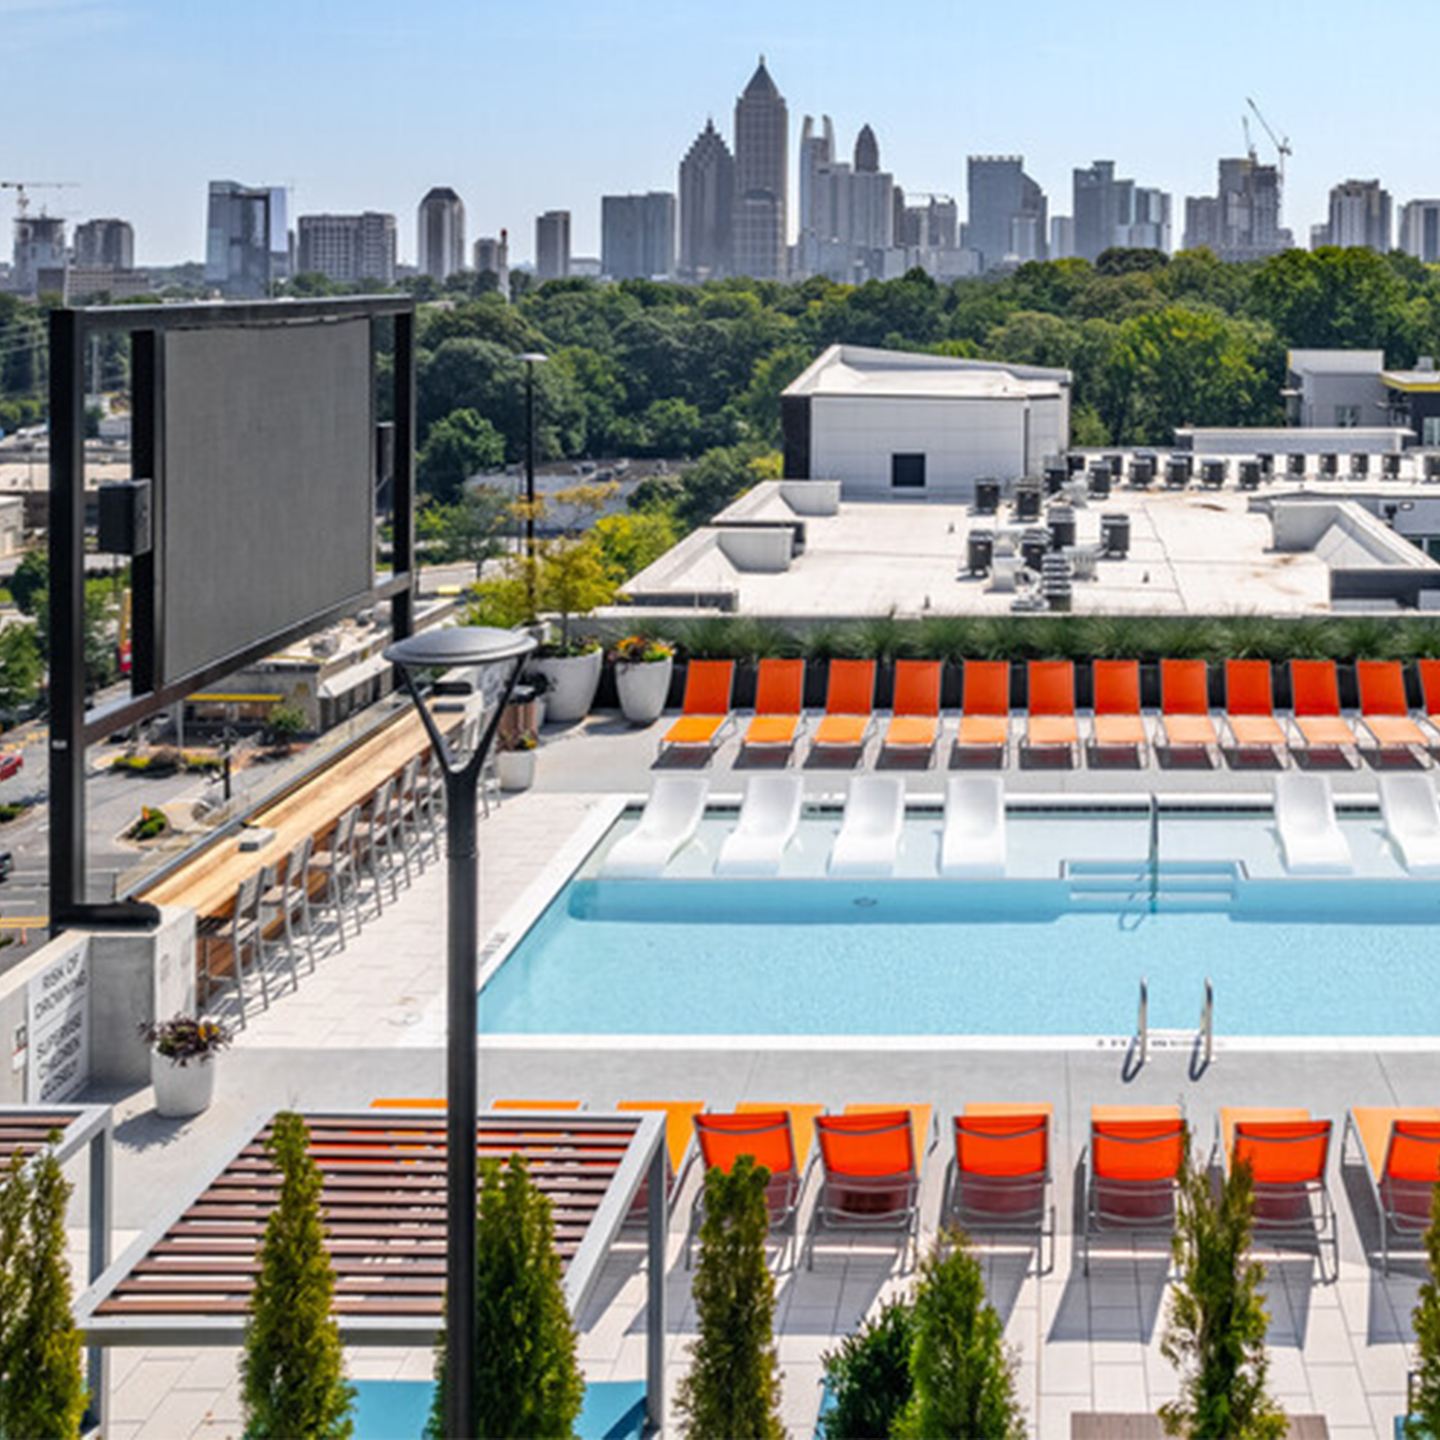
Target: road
x,y
113,804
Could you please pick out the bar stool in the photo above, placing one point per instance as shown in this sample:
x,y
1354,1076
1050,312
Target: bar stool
x,y
336,865
375,841
289,900
241,929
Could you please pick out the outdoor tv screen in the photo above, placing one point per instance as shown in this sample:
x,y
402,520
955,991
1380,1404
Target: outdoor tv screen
x,y
266,509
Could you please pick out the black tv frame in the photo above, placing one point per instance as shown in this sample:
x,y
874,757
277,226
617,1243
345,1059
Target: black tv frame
x,y
72,729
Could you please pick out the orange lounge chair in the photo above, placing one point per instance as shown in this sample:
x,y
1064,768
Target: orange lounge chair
x,y
1401,1148
1132,1165
507,1103
1315,707
1118,724
1250,708
777,1137
1051,723
915,718
1185,721
679,1145
999,1180
985,707
849,706
1384,710
870,1160
705,711
1429,672
779,706
1287,1152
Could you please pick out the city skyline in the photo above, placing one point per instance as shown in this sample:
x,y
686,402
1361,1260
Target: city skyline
x,y
581,102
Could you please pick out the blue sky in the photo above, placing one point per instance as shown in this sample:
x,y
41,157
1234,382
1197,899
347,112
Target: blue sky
x,y
541,104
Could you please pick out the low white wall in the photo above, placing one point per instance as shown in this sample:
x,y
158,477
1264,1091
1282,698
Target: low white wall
x,y
756,551
811,497
113,981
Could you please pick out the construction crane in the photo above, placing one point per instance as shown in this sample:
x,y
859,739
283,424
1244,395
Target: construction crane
x,y
20,187
1282,147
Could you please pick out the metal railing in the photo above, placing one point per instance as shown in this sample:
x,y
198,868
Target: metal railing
x,y
1142,1023
1154,855
1207,1025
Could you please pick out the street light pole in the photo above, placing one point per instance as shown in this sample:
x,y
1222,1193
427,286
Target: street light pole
x,y
481,647
532,358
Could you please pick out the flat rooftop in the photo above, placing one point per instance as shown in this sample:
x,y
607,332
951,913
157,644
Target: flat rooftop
x,y
1191,552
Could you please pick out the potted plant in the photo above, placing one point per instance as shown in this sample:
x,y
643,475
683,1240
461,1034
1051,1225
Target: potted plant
x,y
571,577
516,766
538,683
182,1065
643,666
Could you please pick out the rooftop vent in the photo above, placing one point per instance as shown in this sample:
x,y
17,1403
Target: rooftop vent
x,y
1425,362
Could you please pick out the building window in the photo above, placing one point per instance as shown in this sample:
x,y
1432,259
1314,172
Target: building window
x,y
1430,430
907,472
1347,417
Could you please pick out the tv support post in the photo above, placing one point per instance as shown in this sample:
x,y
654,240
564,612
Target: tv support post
x,y
249,519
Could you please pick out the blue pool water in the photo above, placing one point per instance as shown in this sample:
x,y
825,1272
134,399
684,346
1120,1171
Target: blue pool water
x,y
927,957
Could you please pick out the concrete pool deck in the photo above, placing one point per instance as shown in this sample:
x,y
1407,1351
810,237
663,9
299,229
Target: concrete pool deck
x,y
369,1021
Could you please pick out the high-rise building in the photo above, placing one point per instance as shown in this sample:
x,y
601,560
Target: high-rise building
x,y
552,245
247,240
1359,216
1007,211
637,236
707,197
348,248
1420,230
1062,237
759,217
1242,220
39,245
847,212
492,253
440,249
100,243
1111,211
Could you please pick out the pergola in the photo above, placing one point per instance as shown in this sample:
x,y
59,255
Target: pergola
x,y
188,1279
29,1130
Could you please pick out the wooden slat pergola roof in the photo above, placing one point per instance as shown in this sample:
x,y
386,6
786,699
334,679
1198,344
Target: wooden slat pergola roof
x,y
188,1280
28,1129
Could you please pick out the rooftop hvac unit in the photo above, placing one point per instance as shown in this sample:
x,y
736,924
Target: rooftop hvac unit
x,y
1329,464
1177,472
1212,474
1115,535
1027,501
1295,464
1249,474
1142,471
1100,478
1390,465
979,551
987,497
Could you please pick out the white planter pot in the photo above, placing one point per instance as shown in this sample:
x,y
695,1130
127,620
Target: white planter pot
x,y
573,682
516,769
643,688
182,1090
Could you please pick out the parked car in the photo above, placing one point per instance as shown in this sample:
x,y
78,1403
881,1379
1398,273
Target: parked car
x,y
10,763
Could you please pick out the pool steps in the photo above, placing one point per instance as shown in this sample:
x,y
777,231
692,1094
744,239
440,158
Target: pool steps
x,y
1175,884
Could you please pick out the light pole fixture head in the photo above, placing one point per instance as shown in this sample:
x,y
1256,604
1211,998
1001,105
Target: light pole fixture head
x,y
460,645
534,357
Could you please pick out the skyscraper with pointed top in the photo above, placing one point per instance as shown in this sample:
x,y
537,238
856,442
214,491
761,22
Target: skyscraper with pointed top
x,y
762,125
707,196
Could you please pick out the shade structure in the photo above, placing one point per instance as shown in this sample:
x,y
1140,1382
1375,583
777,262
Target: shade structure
x,y
189,1279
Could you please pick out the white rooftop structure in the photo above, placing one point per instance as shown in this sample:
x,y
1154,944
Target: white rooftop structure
x,y
927,425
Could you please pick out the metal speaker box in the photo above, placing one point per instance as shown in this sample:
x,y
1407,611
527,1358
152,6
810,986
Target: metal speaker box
x,y
125,526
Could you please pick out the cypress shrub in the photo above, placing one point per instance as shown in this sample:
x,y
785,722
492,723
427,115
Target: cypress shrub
x,y
293,1368
42,1385
527,1379
1424,1421
732,1391
1215,1329
869,1375
964,1378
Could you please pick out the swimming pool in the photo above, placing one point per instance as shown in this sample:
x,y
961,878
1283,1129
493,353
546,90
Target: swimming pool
x,y
1058,951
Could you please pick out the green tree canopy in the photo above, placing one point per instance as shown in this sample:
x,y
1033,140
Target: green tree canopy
x,y
459,446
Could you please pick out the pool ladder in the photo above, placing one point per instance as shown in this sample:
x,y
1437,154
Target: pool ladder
x,y
1204,1051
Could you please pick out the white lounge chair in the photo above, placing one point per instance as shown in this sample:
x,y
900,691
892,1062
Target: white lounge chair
x,y
1412,816
671,817
974,838
769,818
1310,840
870,832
